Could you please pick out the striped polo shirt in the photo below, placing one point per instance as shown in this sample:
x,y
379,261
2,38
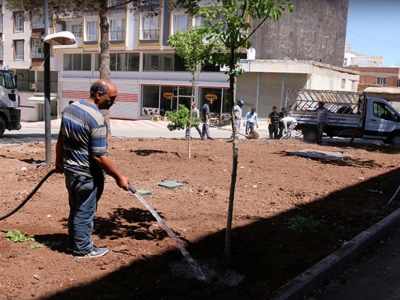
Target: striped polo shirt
x,y
84,132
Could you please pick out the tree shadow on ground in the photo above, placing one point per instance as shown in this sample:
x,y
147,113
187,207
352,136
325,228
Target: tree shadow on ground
x,y
134,222
268,252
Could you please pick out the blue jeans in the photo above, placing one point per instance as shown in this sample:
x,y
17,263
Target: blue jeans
x,y
187,131
84,193
249,127
320,128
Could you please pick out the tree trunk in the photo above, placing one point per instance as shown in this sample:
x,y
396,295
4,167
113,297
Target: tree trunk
x,y
235,151
105,51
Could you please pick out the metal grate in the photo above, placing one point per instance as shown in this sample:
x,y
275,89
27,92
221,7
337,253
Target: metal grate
x,y
340,102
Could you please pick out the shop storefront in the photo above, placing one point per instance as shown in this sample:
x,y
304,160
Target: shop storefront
x,y
157,100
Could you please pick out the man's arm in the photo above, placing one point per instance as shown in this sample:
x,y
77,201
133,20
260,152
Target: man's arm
x,y
60,154
105,163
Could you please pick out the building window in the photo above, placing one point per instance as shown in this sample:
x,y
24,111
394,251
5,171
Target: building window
x,y
120,62
77,62
117,5
1,51
149,20
181,21
163,62
77,30
398,82
343,83
1,22
381,80
19,50
154,62
37,48
18,22
117,29
37,22
91,31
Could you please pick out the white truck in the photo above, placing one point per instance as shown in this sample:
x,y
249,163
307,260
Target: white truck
x,y
10,115
352,114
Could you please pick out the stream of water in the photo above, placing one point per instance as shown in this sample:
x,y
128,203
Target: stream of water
x,y
199,273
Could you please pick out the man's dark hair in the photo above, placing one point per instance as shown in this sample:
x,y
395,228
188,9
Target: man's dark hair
x,y
274,107
98,87
322,103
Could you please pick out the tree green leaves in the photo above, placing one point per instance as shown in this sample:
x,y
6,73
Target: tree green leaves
x,y
180,119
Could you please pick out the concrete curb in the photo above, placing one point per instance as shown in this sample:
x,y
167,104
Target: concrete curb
x,y
307,281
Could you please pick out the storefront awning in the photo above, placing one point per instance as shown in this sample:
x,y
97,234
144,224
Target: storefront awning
x,y
39,99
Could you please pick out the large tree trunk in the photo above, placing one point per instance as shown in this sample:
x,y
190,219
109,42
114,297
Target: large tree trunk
x,y
105,51
235,152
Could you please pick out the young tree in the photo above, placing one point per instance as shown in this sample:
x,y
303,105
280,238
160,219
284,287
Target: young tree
x,y
228,23
190,45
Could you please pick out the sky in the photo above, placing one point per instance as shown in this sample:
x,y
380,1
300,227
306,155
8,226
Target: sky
x,y
373,28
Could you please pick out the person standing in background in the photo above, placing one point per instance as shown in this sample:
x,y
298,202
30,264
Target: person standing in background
x,y
196,116
251,120
237,110
206,120
322,120
273,123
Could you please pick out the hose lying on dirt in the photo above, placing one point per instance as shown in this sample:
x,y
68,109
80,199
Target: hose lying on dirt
x,y
29,196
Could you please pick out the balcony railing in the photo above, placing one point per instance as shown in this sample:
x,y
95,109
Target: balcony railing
x,y
117,35
37,55
37,25
77,33
150,34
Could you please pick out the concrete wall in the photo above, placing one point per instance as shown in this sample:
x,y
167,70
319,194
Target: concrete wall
x,y
29,111
315,31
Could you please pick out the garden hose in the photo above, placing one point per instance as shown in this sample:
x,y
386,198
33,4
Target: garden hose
x,y
29,196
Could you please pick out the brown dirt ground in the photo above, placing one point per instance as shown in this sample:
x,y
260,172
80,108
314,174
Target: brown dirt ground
x,y
272,188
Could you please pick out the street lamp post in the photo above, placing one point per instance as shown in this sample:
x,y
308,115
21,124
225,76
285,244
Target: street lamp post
x,y
47,104
60,38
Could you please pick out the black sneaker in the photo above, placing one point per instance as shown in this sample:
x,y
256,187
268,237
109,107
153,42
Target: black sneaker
x,y
96,252
210,138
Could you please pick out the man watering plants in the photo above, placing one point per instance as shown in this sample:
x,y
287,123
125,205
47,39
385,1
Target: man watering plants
x,y
82,155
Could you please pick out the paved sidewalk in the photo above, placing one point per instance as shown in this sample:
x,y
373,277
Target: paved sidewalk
x,y
143,128
374,275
